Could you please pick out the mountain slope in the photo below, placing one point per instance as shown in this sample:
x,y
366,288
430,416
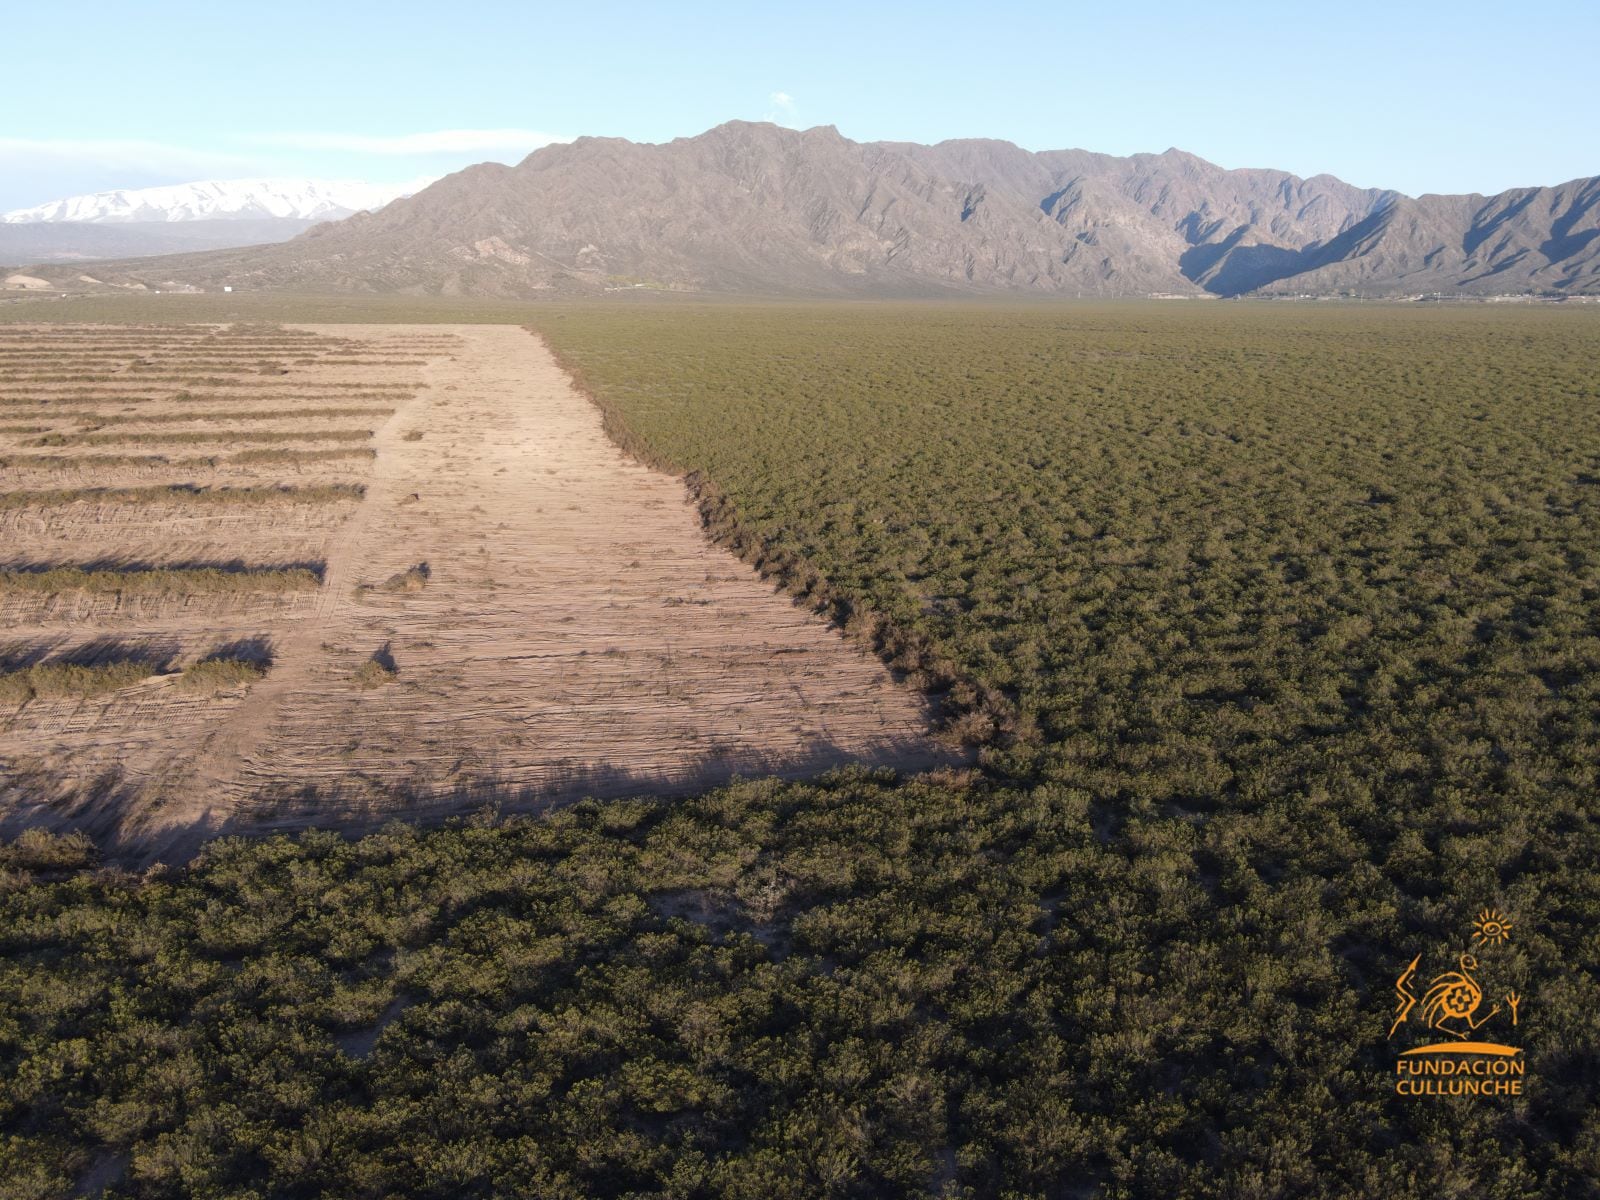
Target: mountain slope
x,y
753,208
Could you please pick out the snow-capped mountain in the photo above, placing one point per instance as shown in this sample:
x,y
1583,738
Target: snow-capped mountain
x,y
218,200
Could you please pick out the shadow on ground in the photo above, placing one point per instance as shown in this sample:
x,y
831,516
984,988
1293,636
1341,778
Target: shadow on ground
x,y
125,818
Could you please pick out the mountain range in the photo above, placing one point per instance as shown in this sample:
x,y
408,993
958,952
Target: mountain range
x,y
756,208
210,214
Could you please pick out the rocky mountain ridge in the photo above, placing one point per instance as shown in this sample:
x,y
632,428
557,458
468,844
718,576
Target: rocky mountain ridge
x,y
755,208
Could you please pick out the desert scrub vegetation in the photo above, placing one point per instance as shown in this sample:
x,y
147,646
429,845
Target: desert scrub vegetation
x,y
1316,582
221,673
245,457
412,579
190,437
238,414
367,392
145,377
601,1000
62,680
157,581
374,674
91,462
185,493
1234,509
1278,623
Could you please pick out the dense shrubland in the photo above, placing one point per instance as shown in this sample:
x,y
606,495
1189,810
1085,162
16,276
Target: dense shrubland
x,y
1283,625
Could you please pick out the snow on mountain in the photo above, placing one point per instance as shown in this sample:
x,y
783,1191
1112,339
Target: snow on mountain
x,y
219,200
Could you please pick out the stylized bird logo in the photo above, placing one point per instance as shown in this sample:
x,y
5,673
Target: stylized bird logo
x,y
1455,996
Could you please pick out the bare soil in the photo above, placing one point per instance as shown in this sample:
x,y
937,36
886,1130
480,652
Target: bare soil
x,y
514,613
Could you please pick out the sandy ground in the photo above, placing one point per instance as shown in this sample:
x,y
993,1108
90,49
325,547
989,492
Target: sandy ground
x,y
567,631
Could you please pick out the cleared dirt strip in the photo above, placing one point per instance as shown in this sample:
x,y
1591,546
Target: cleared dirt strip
x,y
515,614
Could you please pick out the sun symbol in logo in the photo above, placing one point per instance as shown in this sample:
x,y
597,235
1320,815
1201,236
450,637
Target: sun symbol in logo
x,y
1490,927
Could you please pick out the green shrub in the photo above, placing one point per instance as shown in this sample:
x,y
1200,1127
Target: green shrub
x,y
373,674
58,680
217,674
159,581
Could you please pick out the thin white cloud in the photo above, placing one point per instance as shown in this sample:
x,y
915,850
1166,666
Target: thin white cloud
x,y
36,170
148,157
444,141
783,111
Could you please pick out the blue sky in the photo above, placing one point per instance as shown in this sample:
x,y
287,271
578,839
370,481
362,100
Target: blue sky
x,y
1419,96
